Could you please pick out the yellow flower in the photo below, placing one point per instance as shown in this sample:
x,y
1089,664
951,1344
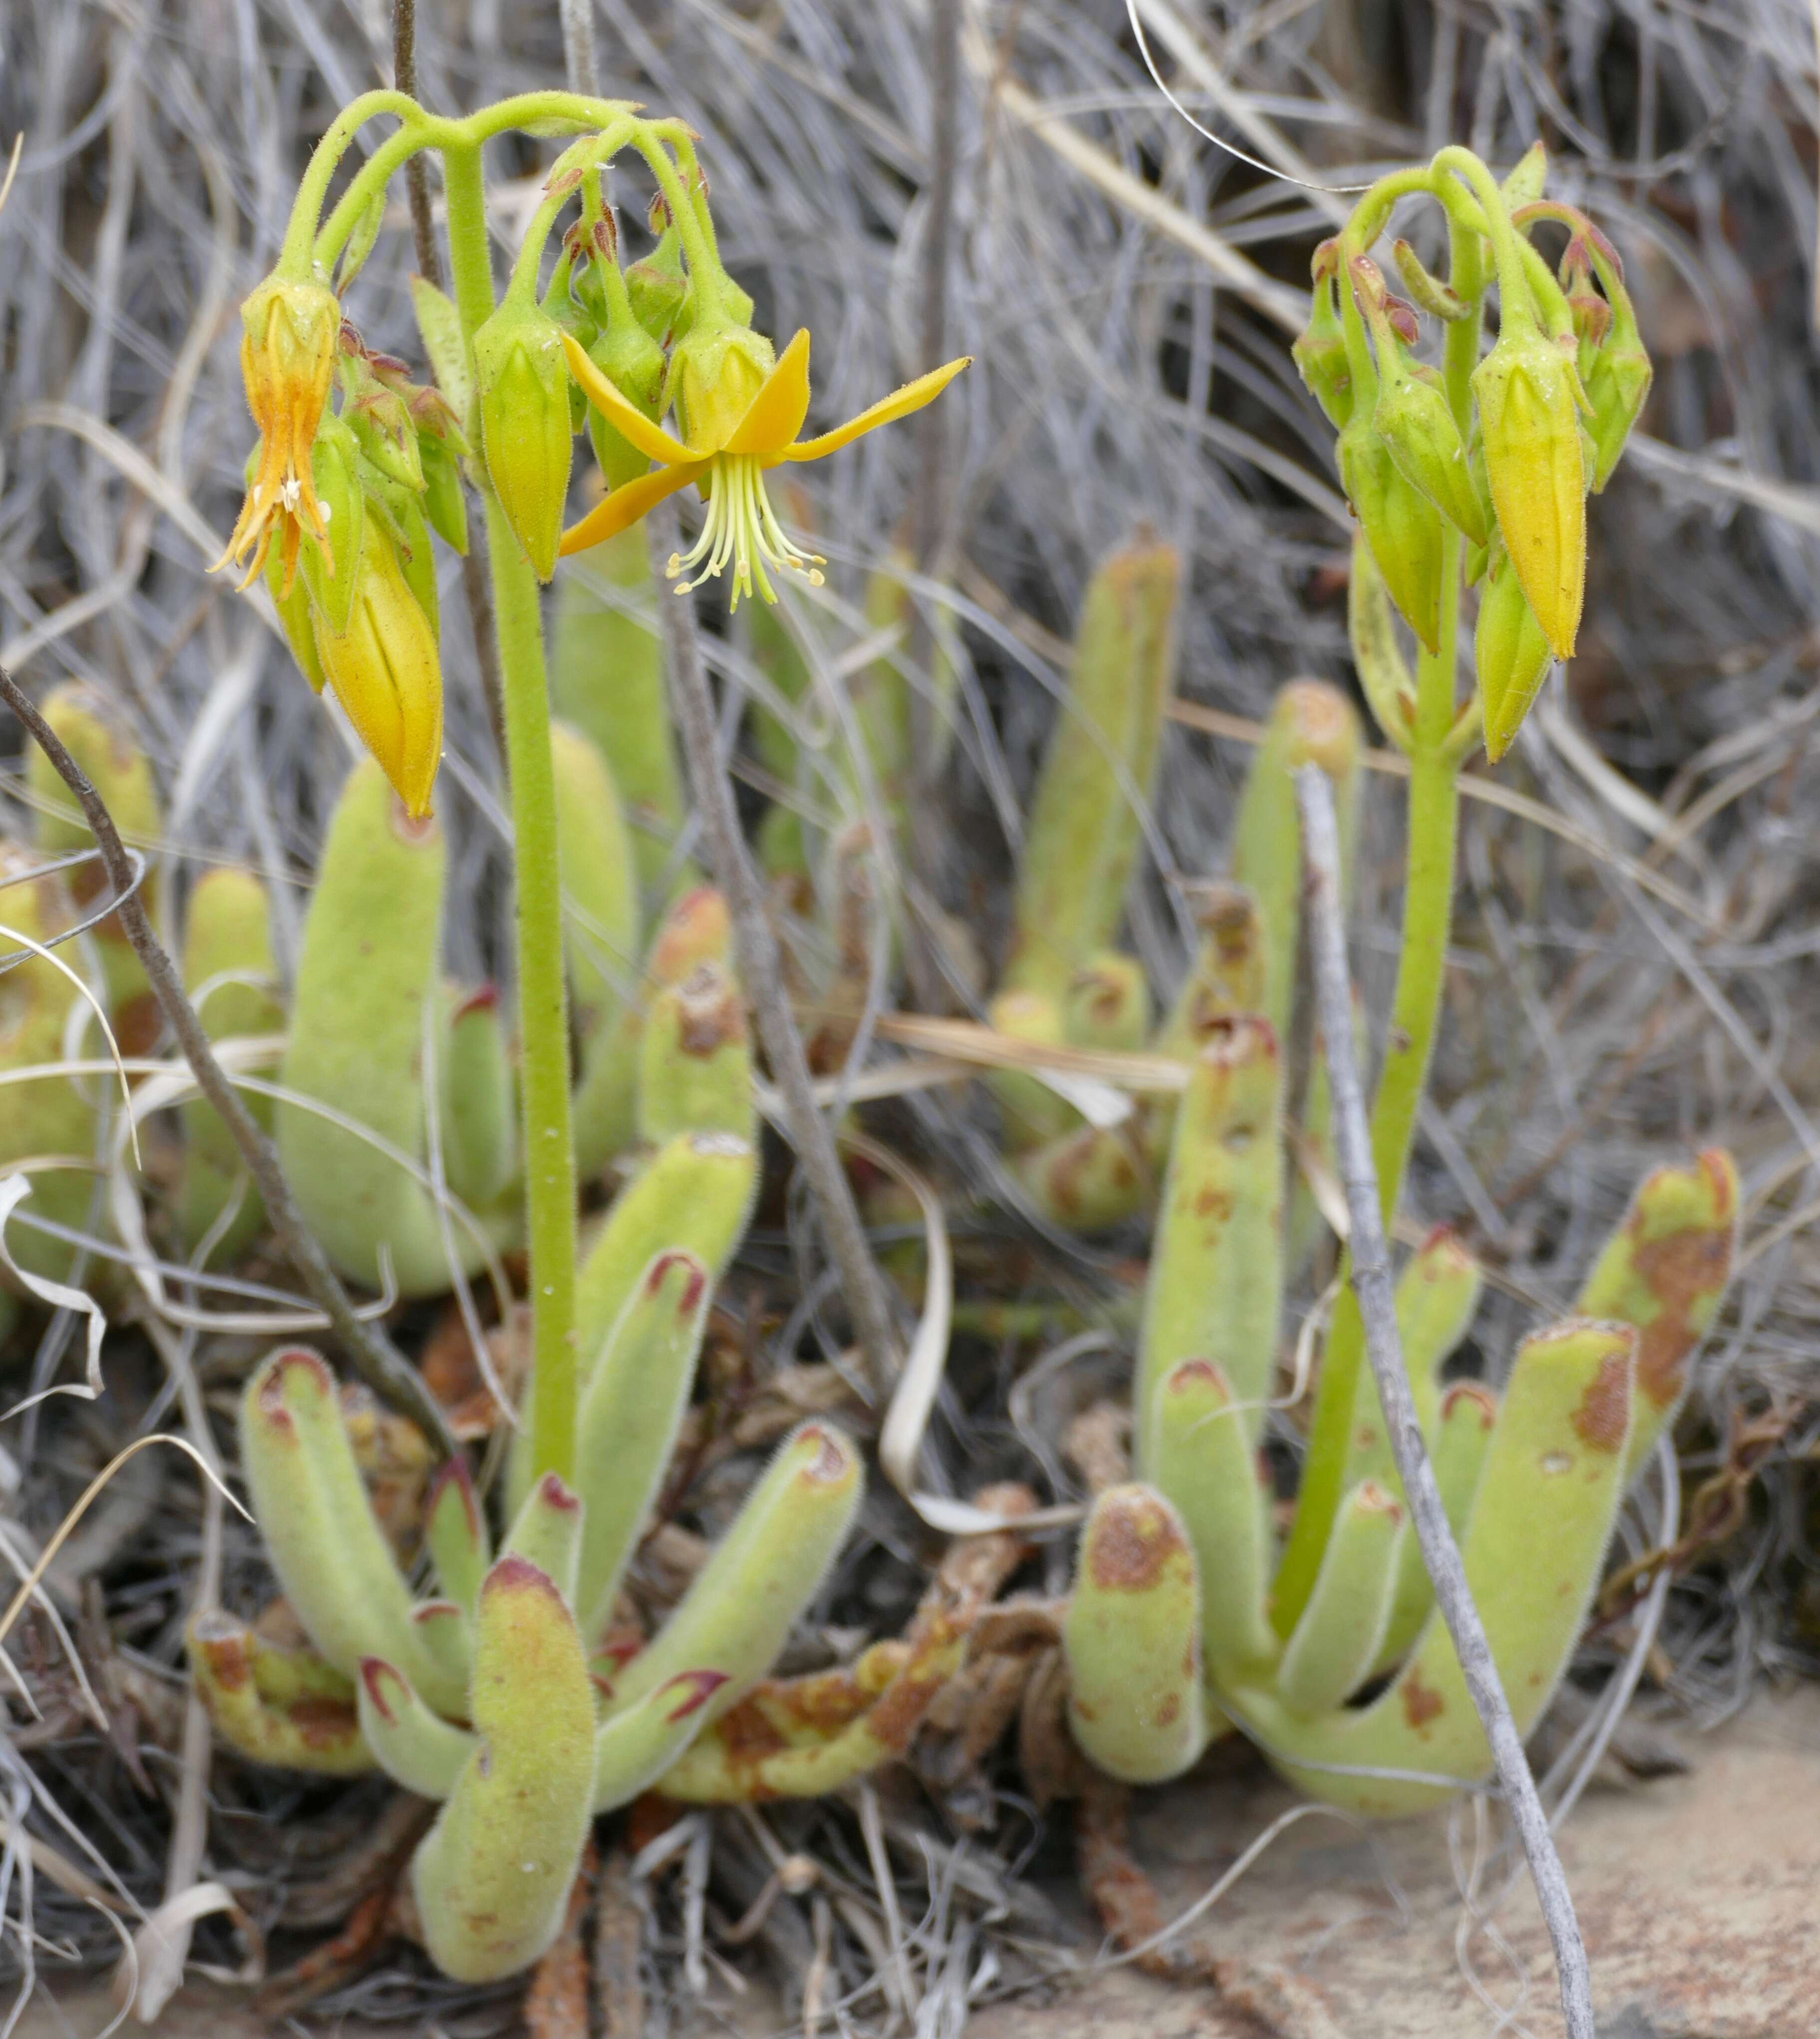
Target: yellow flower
x,y
287,357
726,455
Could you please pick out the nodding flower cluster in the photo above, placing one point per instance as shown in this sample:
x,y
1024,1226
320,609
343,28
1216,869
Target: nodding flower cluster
x,y
353,495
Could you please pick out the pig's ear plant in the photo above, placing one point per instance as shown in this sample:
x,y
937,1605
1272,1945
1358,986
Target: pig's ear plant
x,y
500,1695
1189,1614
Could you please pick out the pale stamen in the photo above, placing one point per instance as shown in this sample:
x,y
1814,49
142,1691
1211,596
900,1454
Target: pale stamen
x,y
741,530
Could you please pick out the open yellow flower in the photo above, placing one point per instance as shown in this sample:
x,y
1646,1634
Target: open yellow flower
x,y
287,349
727,462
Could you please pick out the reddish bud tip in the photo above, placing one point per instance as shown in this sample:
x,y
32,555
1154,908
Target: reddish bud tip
x,y
376,1675
697,1687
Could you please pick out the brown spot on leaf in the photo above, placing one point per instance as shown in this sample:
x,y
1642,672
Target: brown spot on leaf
x,y
1421,1703
323,1723
1130,1540
1684,1273
1602,1417
1169,1712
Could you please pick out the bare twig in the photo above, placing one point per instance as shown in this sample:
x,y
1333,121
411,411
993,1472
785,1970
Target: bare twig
x,y
380,1364
760,966
1372,1284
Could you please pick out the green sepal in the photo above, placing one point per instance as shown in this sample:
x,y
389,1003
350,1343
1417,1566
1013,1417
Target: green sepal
x,y
445,346
416,1748
1525,183
444,498
1131,1636
404,509
628,1420
295,618
492,1878
331,573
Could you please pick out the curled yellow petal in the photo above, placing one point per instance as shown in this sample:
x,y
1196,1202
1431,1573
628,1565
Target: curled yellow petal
x,y
626,505
900,403
651,440
775,416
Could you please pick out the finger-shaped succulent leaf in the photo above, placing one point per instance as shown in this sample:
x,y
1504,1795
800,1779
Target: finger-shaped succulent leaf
x,y
757,1752
46,1116
1337,1640
1310,723
1132,1639
606,678
415,1747
1510,653
478,1101
1083,831
635,1746
330,1553
285,1673
1087,1180
547,1529
1384,674
629,1419
1665,1271
98,737
1106,1004
1216,1266
492,1878
310,1731
369,961
764,1572
695,1197
231,976
695,1060
1458,1444
1033,1112
455,1533
1198,1450
1227,976
1401,526
1529,421
695,930
600,931
1437,1298
1548,1496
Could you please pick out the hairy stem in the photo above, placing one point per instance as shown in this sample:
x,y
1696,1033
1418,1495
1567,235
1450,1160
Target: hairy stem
x,y
543,999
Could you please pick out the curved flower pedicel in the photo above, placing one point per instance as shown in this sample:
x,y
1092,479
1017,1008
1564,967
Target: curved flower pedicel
x,y
725,452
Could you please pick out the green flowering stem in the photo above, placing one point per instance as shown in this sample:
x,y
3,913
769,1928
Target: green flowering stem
x,y
1436,756
296,255
543,1007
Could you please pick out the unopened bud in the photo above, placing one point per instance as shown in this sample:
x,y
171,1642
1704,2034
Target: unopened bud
x,y
385,674
1400,525
1415,422
1512,654
1384,675
1430,292
633,362
1529,419
521,385
331,568
658,285
1618,385
1319,357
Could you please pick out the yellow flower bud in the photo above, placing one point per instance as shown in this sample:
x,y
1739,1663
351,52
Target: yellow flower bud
x,y
331,568
1529,419
1511,651
521,384
1401,526
384,672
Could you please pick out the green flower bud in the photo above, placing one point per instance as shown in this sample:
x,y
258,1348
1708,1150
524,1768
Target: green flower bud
x,y
1384,675
1319,357
330,568
523,388
294,618
658,289
1416,424
1430,293
1512,652
404,511
1529,418
1401,526
1618,386
381,422
633,362
445,500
